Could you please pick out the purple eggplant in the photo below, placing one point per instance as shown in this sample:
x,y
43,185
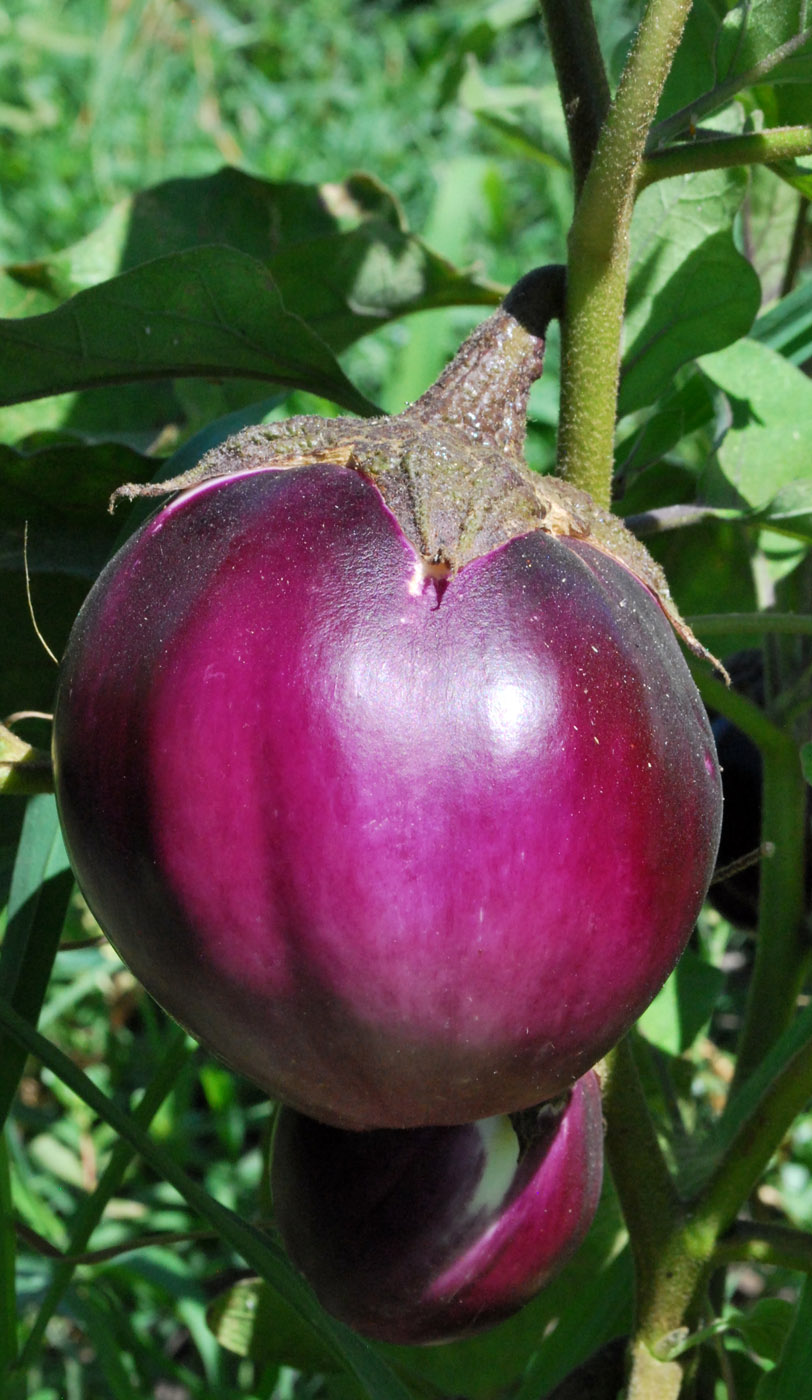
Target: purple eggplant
x,y
431,1234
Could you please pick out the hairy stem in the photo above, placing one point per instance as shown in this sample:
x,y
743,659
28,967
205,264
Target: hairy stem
x,y
753,148
667,1274
599,256
581,75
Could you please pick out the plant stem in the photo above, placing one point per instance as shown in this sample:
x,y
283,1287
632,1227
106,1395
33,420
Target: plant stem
x,y
741,711
753,1126
782,949
722,624
667,1275
752,148
581,75
796,251
765,1243
599,257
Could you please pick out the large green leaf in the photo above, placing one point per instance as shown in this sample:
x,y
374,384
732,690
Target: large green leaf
x,y
767,445
340,254
683,1006
751,33
40,888
208,311
724,43
690,290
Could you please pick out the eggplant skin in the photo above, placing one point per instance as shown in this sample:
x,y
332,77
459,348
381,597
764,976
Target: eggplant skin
x,y
402,850
424,1235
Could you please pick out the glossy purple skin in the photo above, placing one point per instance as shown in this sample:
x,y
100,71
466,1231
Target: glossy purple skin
x,y
401,1238
402,854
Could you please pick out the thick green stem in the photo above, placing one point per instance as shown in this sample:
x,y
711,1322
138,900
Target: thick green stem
x,y
582,80
754,148
668,1275
599,255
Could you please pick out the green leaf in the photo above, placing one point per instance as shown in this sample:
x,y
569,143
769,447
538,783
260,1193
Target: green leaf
x,y
796,174
750,33
340,254
708,303
790,1379
766,1326
789,511
690,290
253,1320
767,228
683,409
763,1330
683,1006
723,43
806,761
767,444
709,569
209,311
41,885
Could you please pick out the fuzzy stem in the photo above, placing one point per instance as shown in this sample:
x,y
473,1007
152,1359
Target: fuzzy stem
x,y
668,1275
581,75
599,256
753,148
